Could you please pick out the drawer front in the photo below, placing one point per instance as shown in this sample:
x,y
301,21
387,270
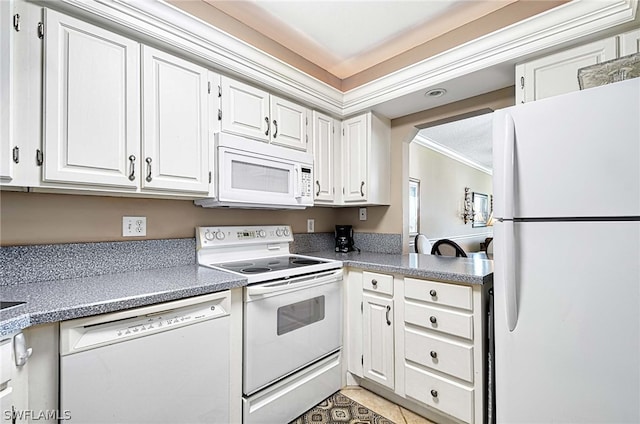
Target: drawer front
x,y
439,293
439,393
440,354
379,283
445,321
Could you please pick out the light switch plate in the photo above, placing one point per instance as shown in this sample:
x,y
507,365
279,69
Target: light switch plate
x,y
134,226
363,214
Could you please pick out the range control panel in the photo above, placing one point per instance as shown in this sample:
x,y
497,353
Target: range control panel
x,y
237,236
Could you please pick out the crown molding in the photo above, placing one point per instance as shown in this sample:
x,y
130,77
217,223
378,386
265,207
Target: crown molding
x,y
164,25
452,154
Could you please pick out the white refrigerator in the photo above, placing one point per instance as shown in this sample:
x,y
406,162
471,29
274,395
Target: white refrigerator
x,y
567,258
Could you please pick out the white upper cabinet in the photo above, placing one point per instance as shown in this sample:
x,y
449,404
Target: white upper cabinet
x,y
323,158
91,104
558,73
365,157
254,113
6,47
175,141
629,42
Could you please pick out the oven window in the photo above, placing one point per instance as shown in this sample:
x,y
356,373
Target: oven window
x,y
297,315
256,177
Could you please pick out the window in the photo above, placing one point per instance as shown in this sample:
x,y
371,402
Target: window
x,y
414,206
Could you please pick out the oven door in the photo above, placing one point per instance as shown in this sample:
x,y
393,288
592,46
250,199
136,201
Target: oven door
x,y
289,324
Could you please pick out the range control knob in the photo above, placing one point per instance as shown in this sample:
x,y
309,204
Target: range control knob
x,y
220,235
208,235
262,234
286,232
279,232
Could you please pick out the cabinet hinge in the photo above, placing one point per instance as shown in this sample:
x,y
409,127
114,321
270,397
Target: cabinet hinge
x,y
342,190
209,177
343,131
39,159
306,137
208,87
362,307
219,114
40,30
16,154
306,121
219,91
522,82
16,22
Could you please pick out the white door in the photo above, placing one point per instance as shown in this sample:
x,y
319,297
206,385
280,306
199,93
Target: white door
x,y
630,42
245,110
558,73
378,352
92,104
323,158
6,46
574,354
355,158
175,122
289,123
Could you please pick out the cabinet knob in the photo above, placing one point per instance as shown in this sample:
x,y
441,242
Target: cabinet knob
x,y
433,293
434,393
374,283
433,319
433,354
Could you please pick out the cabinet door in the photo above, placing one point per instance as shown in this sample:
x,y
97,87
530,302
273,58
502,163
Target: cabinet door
x,y
6,47
630,43
245,110
175,123
378,343
91,104
323,155
558,73
355,158
289,124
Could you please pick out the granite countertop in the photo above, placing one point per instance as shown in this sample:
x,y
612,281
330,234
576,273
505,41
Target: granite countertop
x,y
441,268
59,300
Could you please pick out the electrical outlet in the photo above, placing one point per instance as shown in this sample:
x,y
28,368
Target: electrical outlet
x,y
311,223
363,214
134,226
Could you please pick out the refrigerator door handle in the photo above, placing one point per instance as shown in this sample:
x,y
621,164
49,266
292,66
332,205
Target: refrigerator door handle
x,y
509,138
509,274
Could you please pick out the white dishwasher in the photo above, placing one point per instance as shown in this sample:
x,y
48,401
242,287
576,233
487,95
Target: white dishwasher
x,y
166,363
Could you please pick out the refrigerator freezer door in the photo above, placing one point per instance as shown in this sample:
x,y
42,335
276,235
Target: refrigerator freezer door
x,y
574,354
576,155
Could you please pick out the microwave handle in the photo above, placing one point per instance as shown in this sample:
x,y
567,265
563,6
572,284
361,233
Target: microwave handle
x,y
297,182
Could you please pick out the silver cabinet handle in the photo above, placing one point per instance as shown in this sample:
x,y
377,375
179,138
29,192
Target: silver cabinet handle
x,y
132,168
266,119
433,354
374,283
433,319
318,184
433,293
16,154
148,160
434,393
361,187
387,316
275,124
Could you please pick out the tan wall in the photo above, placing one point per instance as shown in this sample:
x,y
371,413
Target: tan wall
x,y
36,218
442,183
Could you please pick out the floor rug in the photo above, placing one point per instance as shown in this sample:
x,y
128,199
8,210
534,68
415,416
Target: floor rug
x,y
339,409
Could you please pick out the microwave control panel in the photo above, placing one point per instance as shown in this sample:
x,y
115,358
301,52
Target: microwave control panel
x,y
307,182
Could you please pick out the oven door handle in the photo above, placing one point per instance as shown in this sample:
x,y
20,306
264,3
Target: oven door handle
x,y
293,284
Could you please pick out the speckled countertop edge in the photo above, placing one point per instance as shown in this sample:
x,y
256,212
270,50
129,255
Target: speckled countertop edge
x,y
60,300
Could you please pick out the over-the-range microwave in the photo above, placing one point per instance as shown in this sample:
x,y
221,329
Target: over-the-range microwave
x,y
254,174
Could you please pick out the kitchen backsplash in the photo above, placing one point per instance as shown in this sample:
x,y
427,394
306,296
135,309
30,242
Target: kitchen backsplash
x,y
28,264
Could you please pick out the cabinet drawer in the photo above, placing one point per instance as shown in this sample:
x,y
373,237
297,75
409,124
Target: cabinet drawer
x,y
379,283
437,392
440,354
439,293
450,322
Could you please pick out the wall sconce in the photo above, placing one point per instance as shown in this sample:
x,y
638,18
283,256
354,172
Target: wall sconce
x,y
467,212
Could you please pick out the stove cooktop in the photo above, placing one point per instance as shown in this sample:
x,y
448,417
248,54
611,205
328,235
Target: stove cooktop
x,y
261,265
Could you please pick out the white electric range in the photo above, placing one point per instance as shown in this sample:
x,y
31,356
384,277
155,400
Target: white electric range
x,y
292,323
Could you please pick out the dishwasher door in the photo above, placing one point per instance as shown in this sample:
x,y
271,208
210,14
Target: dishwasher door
x,y
155,366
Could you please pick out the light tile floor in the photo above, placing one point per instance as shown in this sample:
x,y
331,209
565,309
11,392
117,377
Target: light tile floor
x,y
383,407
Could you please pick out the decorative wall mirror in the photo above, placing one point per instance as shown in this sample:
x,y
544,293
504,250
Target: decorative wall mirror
x,y
480,210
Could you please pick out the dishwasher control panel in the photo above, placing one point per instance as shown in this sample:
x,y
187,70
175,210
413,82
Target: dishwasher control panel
x,y
84,333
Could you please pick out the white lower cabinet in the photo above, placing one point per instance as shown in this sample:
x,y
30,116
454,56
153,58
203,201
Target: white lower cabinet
x,y
420,341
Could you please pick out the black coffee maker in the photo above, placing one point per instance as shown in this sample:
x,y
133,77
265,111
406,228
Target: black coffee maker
x,y
344,238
